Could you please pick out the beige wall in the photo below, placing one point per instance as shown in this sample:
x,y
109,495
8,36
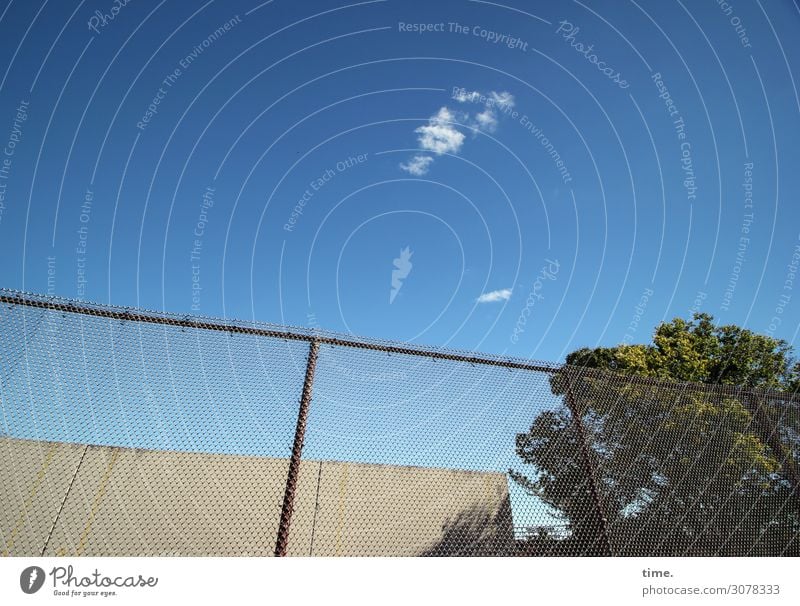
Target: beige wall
x,y
34,477
372,510
127,502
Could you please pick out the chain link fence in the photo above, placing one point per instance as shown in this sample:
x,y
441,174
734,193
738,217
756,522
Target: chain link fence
x,y
132,433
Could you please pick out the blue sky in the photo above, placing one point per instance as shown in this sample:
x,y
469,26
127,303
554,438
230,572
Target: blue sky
x,y
519,178
74,378
288,91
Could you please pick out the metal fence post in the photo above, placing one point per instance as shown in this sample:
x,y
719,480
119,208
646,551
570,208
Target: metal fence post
x,y
297,449
595,492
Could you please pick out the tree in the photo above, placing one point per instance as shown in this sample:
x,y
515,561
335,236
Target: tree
x,y
681,469
700,352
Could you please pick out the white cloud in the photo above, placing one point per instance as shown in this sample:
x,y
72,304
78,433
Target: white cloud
x,y
439,136
418,165
486,120
443,116
462,96
502,100
492,101
504,294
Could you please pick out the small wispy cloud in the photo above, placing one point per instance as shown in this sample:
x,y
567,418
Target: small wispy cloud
x,y
502,100
504,294
439,135
417,166
464,96
486,120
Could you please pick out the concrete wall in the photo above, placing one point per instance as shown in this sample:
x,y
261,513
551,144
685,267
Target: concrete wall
x,y
68,499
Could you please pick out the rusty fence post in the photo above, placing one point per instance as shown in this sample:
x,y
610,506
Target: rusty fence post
x,y
297,450
595,492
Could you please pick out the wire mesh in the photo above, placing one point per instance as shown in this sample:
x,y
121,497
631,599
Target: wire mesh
x,y
686,470
139,433
167,401
416,420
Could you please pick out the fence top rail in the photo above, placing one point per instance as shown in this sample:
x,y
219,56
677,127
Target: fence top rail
x,y
327,337
263,329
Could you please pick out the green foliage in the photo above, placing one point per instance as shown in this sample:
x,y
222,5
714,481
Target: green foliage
x,y
701,352
681,469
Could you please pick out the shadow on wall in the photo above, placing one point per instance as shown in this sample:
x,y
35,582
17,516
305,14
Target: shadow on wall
x,y
477,532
